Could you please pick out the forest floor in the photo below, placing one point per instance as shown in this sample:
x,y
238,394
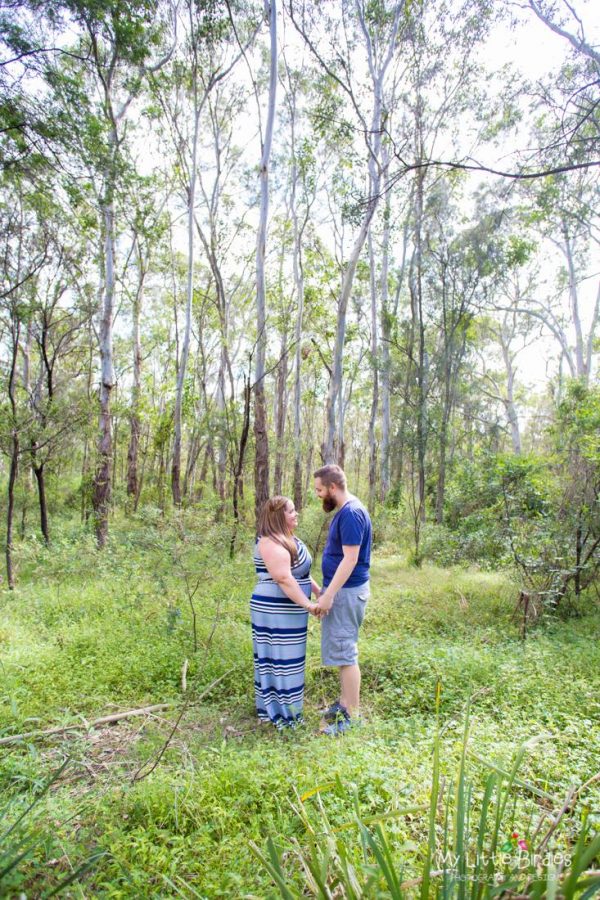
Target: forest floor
x,y
87,634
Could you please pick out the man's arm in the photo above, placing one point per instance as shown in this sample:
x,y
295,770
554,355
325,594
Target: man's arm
x,y
340,577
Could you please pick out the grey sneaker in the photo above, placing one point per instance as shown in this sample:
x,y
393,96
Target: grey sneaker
x,y
339,727
336,713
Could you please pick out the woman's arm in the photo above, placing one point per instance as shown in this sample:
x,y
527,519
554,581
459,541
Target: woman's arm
x,y
315,587
277,561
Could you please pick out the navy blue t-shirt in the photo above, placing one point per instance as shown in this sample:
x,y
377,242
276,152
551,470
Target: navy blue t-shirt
x,y
350,526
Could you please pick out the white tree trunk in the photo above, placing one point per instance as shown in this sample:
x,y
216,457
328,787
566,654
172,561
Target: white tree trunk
x,y
102,478
185,350
375,375
261,464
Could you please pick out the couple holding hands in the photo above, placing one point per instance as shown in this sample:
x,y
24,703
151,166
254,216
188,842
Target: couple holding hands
x,y
281,603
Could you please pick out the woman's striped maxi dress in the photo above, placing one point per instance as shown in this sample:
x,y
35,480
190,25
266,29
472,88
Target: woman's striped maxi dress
x,y
279,628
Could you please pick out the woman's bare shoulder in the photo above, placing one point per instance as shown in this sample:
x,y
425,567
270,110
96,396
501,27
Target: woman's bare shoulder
x,y
271,547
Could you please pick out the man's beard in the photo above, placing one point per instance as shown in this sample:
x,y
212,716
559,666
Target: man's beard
x,y
329,504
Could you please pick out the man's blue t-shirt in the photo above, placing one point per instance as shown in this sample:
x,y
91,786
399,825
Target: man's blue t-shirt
x,y
350,526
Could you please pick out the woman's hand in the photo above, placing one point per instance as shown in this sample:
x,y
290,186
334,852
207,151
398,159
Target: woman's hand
x,y
313,609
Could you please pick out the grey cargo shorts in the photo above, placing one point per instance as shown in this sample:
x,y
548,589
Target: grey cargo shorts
x,y
339,628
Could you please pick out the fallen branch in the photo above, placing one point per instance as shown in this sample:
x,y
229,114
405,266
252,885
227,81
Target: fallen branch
x,y
106,720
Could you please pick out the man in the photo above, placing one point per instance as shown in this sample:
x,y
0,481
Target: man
x,y
346,562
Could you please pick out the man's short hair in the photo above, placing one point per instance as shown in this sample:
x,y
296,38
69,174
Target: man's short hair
x,y
331,474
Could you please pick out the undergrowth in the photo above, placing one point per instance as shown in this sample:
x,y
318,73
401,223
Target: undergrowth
x,y
86,634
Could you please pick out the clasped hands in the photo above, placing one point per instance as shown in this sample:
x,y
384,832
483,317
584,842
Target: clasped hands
x,y
323,604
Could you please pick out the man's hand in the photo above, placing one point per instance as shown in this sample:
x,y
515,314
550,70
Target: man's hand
x,y
325,602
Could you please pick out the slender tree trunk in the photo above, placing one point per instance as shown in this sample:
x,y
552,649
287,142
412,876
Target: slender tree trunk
x,y
115,447
509,402
377,70
10,510
261,439
400,440
134,439
582,370
416,295
282,374
386,334
299,283
443,446
375,376
222,443
41,485
299,292
334,404
177,416
203,473
14,454
423,359
102,480
239,466
26,351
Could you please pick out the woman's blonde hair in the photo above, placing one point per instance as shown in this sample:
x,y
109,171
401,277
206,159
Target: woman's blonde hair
x,y
271,523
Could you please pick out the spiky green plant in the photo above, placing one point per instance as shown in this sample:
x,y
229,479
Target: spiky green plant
x,y
19,840
474,860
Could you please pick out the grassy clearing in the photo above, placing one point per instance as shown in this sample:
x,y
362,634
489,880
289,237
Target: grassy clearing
x,y
88,633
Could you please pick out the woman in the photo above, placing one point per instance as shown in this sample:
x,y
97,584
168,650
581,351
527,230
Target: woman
x,y
279,612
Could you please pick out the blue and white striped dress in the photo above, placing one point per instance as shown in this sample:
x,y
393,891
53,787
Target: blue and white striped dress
x,y
279,628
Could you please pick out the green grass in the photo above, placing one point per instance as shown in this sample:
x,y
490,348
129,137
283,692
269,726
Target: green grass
x,y
86,633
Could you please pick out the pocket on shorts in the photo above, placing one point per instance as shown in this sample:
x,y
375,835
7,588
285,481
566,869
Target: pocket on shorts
x,y
364,595
344,651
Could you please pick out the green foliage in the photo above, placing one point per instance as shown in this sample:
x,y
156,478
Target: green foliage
x,y
539,514
88,631
477,497
23,838
473,849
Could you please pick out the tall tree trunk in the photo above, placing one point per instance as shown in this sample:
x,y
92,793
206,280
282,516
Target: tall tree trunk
x,y
26,351
181,373
375,376
582,370
443,445
134,438
239,465
509,402
41,411
281,394
386,334
418,318
222,424
102,480
377,70
261,438
299,284
41,485
332,449
14,454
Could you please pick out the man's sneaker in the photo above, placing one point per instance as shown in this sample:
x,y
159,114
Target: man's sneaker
x,y
336,713
340,726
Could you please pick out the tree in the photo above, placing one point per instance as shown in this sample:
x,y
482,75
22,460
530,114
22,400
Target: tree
x,y
261,438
